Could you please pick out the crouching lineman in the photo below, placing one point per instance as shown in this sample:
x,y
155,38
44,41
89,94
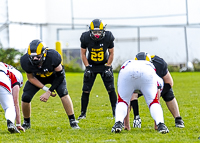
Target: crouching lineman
x,y
10,82
139,75
43,66
167,93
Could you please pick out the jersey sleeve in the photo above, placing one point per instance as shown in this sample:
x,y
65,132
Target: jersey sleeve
x,y
165,69
13,79
83,41
24,63
112,38
56,59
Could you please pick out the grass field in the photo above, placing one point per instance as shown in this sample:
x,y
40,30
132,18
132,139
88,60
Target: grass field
x,y
49,123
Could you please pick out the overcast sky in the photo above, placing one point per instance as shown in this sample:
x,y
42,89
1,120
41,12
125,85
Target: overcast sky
x,y
59,11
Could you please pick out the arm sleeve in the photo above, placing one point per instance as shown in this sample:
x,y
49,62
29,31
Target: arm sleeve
x,y
58,80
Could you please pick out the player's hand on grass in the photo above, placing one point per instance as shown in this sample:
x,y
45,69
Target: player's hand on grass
x,y
20,128
44,97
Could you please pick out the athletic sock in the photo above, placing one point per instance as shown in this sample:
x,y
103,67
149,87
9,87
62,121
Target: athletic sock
x,y
27,120
71,117
134,105
113,101
84,102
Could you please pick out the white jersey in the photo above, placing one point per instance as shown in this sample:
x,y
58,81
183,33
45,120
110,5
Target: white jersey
x,y
15,74
9,76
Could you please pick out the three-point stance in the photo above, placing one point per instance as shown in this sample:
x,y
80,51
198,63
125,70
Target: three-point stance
x,y
100,46
10,82
139,75
43,66
167,93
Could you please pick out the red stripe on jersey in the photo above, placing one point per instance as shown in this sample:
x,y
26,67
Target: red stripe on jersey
x,y
155,100
121,100
5,86
12,78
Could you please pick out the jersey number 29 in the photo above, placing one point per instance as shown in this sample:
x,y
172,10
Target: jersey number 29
x,y
97,56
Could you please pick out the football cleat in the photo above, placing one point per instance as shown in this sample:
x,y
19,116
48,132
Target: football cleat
x,y
74,124
11,127
82,116
137,122
179,122
162,128
117,128
26,125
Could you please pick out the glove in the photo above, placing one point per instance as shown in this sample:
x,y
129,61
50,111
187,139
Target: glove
x,y
137,122
88,72
108,72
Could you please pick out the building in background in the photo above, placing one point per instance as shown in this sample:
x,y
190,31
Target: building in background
x,y
167,28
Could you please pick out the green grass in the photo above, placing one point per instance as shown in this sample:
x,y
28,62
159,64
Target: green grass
x,y
49,123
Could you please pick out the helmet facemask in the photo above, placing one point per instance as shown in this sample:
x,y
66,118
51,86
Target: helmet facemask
x,y
37,53
37,59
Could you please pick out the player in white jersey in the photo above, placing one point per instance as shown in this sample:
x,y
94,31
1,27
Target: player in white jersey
x,y
10,82
139,75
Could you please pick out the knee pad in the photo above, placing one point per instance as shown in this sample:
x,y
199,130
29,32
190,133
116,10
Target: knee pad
x,y
26,98
63,93
168,96
86,88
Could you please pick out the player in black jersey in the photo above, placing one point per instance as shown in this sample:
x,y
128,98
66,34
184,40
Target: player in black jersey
x,y
43,66
167,93
100,46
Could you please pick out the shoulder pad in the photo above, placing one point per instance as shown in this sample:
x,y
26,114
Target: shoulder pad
x,y
109,36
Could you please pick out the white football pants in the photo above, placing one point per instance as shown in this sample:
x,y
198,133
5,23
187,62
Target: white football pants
x,y
6,98
138,75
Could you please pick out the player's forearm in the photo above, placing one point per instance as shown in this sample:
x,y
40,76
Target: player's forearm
x,y
18,118
111,56
15,93
85,61
168,79
83,57
36,82
110,59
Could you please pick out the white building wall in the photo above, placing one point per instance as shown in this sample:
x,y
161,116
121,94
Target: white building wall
x,y
169,43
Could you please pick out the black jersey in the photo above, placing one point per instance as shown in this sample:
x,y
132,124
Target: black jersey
x,y
53,59
98,54
160,65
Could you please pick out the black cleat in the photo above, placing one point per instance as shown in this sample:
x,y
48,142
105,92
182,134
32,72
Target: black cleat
x,y
74,124
82,116
179,122
11,127
117,128
26,125
162,128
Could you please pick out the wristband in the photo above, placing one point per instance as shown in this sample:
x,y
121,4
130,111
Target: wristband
x,y
45,88
17,125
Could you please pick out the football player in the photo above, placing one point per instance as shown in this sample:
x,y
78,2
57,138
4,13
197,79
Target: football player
x,y
100,46
167,93
139,76
10,82
43,66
